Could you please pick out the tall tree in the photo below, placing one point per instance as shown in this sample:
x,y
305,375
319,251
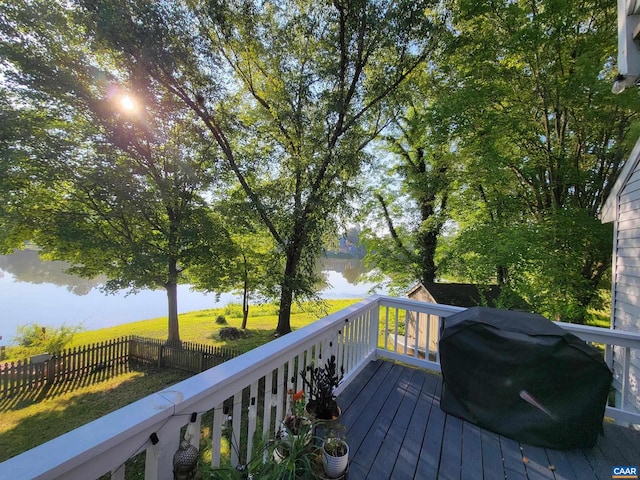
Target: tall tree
x,y
124,197
252,259
421,162
542,139
292,93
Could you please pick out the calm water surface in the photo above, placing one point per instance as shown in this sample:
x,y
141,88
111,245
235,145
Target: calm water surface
x,y
33,291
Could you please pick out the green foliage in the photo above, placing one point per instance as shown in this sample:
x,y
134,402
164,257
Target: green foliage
x,y
285,457
540,140
115,192
422,162
321,382
307,92
221,320
40,339
233,310
334,446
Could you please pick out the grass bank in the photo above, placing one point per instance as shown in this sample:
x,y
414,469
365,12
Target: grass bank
x,y
34,418
201,327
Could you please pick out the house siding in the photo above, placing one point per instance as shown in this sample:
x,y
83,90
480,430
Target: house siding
x,y
626,284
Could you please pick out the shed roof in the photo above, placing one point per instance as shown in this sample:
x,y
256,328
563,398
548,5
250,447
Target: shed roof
x,y
459,294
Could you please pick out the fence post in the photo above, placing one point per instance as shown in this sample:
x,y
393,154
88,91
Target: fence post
x,y
201,362
160,353
51,370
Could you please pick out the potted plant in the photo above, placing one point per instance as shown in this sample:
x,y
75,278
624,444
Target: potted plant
x,y
295,425
297,459
321,383
293,456
335,456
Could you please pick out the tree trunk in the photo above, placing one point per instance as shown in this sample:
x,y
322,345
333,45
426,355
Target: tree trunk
x,y
172,300
428,238
245,302
502,274
427,247
287,287
284,315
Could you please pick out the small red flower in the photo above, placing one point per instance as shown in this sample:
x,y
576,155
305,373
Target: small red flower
x,y
298,395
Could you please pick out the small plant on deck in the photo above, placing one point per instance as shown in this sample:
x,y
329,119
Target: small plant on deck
x,y
321,383
295,419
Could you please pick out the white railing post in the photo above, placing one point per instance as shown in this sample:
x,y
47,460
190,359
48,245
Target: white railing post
x,y
236,423
269,403
159,460
626,365
253,416
281,387
374,329
118,474
196,428
151,462
608,355
219,422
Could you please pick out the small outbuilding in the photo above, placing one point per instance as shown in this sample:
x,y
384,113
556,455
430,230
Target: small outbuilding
x,y
456,294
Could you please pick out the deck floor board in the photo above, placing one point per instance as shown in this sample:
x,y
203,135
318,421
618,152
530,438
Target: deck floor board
x,y
396,430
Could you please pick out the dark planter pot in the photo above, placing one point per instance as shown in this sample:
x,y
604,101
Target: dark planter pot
x,y
325,414
324,425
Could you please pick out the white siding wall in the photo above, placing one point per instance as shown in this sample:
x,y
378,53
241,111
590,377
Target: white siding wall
x,y
626,283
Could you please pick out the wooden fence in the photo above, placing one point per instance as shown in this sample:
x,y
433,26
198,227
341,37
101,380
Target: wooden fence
x,y
189,356
105,360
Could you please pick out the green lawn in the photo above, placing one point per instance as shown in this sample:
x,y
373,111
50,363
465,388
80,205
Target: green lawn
x,y
31,419
201,327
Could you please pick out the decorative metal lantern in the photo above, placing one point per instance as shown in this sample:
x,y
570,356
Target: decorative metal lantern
x,y
185,462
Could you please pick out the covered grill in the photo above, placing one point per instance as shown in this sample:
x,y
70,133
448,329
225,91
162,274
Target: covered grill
x,y
522,376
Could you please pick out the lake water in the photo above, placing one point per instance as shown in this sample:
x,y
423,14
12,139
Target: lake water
x,y
33,291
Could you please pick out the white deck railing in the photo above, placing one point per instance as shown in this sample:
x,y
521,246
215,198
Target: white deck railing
x,y
252,390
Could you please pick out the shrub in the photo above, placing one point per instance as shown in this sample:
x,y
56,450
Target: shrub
x,y
232,333
221,320
45,339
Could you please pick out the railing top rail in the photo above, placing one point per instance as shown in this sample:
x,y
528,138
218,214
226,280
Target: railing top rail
x,y
603,335
417,305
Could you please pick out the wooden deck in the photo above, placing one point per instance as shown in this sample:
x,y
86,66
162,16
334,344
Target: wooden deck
x,y
396,430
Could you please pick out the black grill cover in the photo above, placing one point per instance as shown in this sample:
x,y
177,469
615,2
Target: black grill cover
x,y
522,376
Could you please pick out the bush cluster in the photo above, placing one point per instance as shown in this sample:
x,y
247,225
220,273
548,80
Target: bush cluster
x,y
45,339
232,333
